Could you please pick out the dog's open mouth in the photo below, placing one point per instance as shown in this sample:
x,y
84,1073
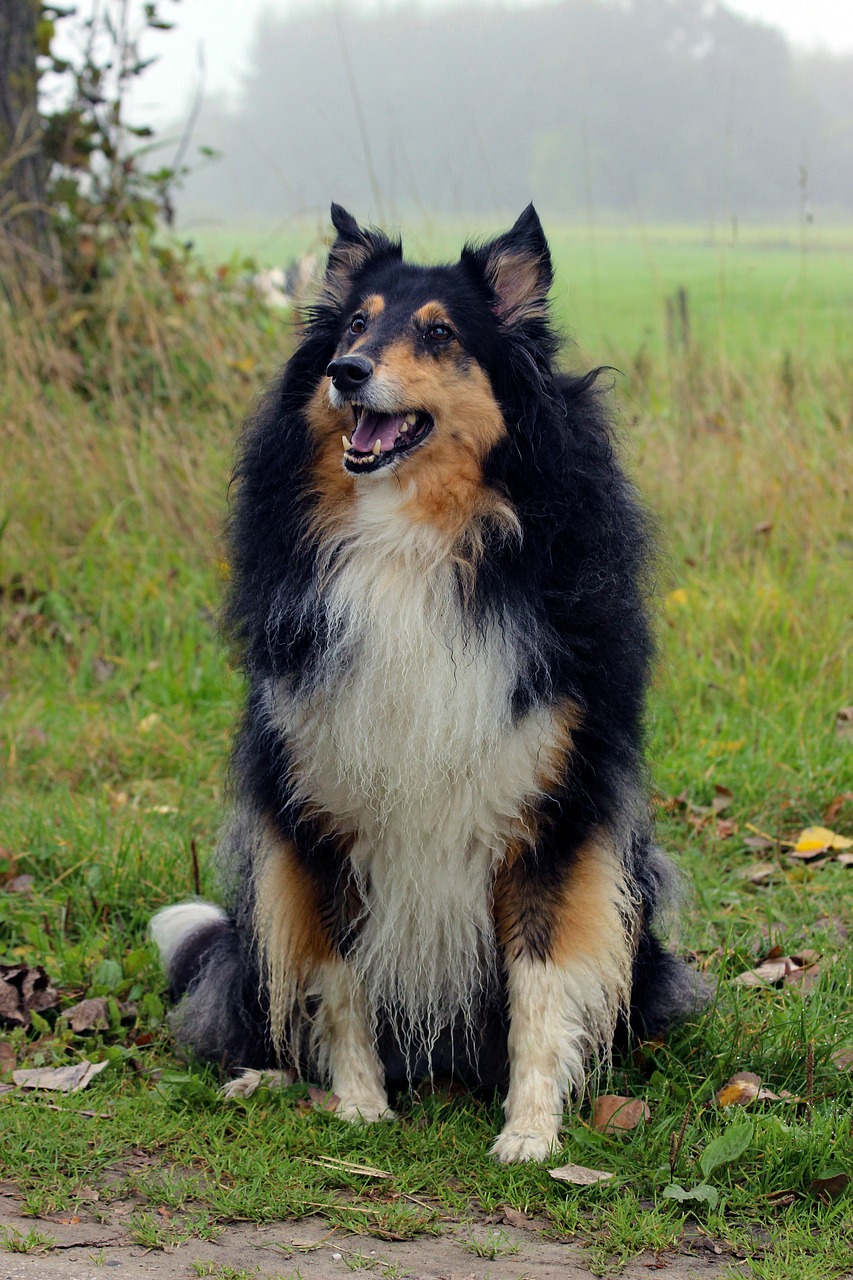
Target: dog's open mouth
x,y
378,438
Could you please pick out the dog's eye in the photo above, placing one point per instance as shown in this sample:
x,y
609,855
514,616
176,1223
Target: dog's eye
x,y
358,324
439,333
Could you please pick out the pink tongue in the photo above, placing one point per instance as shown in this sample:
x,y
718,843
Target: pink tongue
x,y
383,427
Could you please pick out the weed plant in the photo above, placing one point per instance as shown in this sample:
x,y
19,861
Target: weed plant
x,y
118,415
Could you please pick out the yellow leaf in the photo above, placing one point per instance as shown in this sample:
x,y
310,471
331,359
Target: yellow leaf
x,y
815,839
677,597
147,723
246,365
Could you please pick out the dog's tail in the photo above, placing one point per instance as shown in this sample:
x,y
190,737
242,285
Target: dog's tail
x,y
665,988
213,984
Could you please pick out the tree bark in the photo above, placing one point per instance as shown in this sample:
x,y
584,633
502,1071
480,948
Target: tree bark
x,y
28,250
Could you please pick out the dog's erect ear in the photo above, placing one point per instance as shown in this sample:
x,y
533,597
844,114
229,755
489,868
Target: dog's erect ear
x,y
352,248
517,267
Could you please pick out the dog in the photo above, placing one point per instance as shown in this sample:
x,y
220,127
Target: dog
x,y
439,856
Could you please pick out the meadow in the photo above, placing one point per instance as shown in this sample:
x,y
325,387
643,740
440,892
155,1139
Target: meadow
x,y
732,387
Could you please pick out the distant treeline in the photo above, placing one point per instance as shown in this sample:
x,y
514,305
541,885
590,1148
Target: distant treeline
x,y
653,109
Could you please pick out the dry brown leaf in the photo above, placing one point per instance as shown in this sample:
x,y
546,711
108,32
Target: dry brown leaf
x,y
842,1058
846,859
835,806
759,843
7,1056
844,722
612,1114
757,872
323,1099
69,1079
803,977
24,991
88,1015
828,1189
515,1218
722,798
766,974
579,1176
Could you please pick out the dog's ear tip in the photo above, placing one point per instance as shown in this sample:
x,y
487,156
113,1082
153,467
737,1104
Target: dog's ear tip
x,y
342,219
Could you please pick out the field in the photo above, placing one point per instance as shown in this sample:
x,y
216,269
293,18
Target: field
x,y
733,386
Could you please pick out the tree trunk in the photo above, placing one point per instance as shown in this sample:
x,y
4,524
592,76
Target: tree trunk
x,y
28,251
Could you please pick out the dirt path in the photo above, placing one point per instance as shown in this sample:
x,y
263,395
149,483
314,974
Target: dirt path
x,y
310,1249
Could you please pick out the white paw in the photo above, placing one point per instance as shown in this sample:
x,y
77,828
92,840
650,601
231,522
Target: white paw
x,y
244,1085
364,1110
514,1146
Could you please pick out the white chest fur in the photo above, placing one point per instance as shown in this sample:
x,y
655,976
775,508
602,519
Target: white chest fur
x,y
408,742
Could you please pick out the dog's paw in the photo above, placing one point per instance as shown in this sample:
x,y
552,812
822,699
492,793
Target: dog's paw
x,y
515,1146
364,1110
248,1081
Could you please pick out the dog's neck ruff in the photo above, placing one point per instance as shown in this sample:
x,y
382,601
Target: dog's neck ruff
x,y
407,740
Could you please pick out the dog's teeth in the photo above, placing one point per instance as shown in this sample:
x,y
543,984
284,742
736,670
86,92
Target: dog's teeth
x,y
347,442
411,419
404,426
377,448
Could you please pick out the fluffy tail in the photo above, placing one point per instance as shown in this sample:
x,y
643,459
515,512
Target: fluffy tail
x,y
214,985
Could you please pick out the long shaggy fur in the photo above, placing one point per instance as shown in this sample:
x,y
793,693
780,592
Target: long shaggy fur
x,y
439,855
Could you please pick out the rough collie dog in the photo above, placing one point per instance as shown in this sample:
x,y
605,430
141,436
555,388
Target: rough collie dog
x,y
439,857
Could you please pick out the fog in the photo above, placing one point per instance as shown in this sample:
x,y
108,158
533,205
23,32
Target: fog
x,y
632,109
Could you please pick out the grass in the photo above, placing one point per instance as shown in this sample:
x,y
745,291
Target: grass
x,y
118,706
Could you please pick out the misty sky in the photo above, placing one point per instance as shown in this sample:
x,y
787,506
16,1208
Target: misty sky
x,y
221,31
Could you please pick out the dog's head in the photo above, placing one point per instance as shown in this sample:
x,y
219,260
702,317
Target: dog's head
x,y
421,349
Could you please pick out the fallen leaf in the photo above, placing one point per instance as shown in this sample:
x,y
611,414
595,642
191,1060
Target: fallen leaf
x,y
722,798
323,1099
807,977
815,840
23,991
20,884
757,872
841,1057
149,722
844,722
835,806
726,828
103,669
743,1087
69,1079
88,1015
515,1218
766,974
612,1114
763,526
759,843
7,1056
830,1186
846,859
578,1175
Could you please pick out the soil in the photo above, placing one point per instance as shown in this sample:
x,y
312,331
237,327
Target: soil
x,y
94,1247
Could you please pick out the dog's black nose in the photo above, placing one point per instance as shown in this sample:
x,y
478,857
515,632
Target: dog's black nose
x,y
349,372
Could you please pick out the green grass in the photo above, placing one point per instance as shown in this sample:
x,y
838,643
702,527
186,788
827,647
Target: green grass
x,y
118,706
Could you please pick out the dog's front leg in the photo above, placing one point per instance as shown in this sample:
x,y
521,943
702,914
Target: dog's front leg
x,y
568,962
347,1049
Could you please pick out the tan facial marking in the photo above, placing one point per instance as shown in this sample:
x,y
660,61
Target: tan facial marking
x,y
373,305
431,313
